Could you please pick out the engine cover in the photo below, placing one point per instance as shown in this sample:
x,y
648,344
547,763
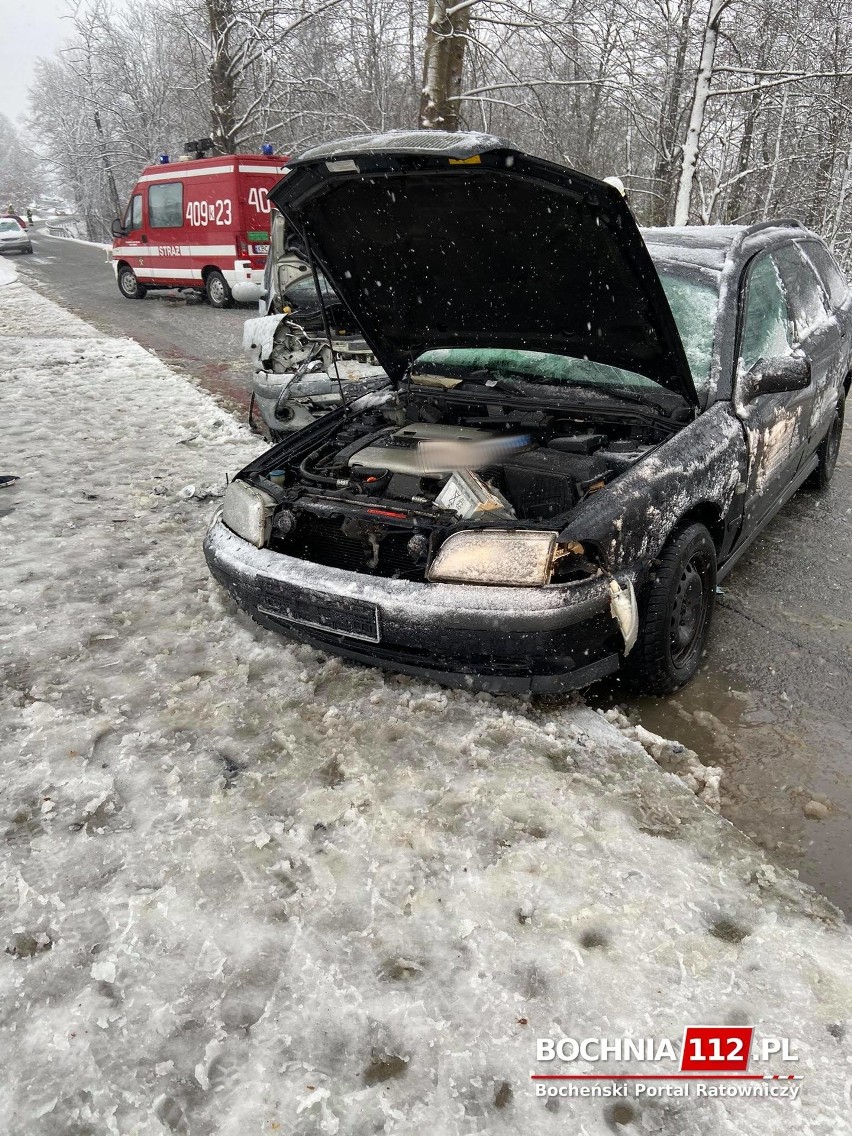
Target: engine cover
x,y
399,451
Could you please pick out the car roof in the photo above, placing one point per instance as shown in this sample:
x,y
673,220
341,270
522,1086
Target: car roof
x,y
710,247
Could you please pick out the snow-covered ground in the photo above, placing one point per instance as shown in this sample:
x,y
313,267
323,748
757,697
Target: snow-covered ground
x,y
8,272
249,889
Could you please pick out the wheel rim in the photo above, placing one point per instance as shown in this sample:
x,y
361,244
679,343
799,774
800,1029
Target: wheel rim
x,y
690,609
215,290
128,284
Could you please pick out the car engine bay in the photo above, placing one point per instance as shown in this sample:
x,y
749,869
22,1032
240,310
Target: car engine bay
x,y
381,491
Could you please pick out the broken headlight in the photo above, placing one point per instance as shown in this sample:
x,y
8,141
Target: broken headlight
x,y
495,556
248,512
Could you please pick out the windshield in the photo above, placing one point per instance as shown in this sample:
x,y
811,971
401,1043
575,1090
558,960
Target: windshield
x,y
303,294
9,227
694,300
537,366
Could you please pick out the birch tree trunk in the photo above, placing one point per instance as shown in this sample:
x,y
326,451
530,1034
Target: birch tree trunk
x,y
768,203
843,193
703,81
223,115
443,62
664,164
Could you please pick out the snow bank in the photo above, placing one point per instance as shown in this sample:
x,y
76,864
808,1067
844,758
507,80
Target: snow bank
x,y
8,272
249,889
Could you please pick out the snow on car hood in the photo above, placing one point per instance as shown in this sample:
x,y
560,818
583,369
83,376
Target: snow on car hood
x,y
447,240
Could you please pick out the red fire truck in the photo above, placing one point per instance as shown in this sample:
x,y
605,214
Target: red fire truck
x,y
198,222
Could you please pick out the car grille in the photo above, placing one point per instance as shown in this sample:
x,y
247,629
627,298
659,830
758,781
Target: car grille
x,y
323,541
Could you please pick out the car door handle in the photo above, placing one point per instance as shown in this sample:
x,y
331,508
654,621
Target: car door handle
x,y
143,239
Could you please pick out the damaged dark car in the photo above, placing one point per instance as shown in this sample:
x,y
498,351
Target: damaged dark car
x,y
583,426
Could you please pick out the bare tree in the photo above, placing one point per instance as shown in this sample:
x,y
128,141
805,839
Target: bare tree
x,y
703,80
443,61
19,174
706,117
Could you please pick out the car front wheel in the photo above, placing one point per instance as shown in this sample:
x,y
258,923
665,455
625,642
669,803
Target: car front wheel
x,y
675,613
128,285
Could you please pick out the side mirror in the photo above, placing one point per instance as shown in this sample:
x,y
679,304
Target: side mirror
x,y
779,374
117,228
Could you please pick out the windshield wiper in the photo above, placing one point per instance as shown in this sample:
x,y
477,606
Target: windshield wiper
x,y
437,377
602,389
519,384
492,382
523,382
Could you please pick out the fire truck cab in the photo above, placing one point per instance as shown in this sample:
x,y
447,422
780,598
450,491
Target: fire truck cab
x,y
198,222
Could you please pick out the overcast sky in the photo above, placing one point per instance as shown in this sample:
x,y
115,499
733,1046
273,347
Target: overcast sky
x,y
28,29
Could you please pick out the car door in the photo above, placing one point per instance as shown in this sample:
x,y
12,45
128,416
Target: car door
x,y
777,426
165,262
840,304
816,334
133,226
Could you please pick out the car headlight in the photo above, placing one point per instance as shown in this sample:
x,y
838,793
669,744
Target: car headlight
x,y
495,556
248,512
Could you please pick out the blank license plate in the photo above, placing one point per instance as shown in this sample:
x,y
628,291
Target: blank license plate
x,y
354,618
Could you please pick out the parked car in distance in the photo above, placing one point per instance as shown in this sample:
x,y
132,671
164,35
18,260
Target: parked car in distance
x,y
199,223
582,432
14,236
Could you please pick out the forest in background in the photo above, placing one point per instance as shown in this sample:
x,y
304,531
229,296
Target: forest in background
x,y
710,111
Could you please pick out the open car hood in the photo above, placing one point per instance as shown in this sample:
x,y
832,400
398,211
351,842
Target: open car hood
x,y
458,240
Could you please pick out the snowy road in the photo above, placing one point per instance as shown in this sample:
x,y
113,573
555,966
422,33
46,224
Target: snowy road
x,y
249,889
197,339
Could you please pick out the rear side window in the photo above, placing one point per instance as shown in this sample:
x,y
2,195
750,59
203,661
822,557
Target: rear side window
x,y
165,205
832,278
133,216
806,299
766,324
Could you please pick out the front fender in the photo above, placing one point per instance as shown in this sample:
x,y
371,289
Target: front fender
x,y
632,518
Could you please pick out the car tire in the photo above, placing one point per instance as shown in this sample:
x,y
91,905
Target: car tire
x,y
676,609
829,448
218,292
128,285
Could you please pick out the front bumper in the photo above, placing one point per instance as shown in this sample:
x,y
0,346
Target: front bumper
x,y
19,244
514,640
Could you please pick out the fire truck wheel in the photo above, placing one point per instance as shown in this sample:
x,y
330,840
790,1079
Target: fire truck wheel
x,y
128,285
218,292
